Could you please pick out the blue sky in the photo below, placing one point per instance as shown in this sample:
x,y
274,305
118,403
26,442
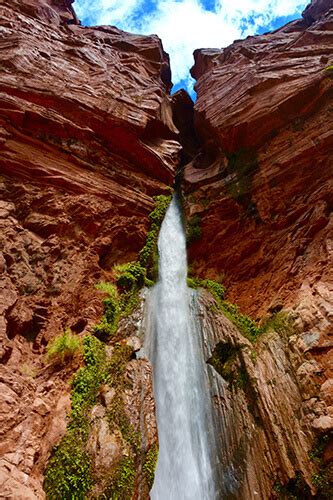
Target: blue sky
x,y
185,25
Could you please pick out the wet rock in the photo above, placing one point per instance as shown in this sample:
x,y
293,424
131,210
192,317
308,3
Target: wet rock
x,y
105,446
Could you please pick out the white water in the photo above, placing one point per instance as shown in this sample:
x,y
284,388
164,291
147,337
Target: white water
x,y
183,406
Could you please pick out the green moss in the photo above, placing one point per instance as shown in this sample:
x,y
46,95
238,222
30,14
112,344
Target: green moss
x,y
68,474
63,348
150,464
118,419
121,483
254,356
116,414
148,256
244,323
193,229
117,365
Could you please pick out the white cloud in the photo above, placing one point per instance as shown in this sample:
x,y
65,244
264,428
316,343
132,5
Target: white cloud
x,y
184,25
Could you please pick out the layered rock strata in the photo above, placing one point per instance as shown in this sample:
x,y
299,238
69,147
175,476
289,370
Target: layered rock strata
x,y
267,410
262,183
258,197
86,141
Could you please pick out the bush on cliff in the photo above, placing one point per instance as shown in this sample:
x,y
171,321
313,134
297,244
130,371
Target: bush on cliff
x,y
63,348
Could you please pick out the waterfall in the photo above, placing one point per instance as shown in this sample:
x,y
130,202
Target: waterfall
x,y
183,404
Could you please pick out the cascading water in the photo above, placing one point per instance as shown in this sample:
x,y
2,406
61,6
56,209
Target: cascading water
x,y
183,406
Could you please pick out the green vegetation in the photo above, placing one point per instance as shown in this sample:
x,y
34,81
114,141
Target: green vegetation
x,y
193,229
130,275
223,358
280,322
121,483
86,381
63,348
149,466
329,69
68,475
69,472
148,256
323,478
119,304
244,323
122,297
108,325
215,288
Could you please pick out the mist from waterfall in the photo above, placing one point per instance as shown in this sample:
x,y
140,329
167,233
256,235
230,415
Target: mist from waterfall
x,y
183,405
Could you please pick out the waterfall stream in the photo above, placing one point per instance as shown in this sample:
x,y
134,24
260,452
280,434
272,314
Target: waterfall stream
x,y
183,405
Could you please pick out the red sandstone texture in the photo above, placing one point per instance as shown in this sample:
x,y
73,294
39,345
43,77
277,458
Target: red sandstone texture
x,y
262,189
263,185
86,141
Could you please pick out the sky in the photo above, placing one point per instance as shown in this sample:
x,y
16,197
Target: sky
x,y
186,25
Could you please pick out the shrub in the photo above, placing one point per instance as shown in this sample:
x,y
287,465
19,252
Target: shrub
x,y
280,322
130,275
109,322
68,474
63,347
244,323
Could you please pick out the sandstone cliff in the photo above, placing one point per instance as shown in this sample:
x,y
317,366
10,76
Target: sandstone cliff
x,y
88,135
86,141
259,194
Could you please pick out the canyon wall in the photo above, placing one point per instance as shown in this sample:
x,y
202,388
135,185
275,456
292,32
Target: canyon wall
x,y
88,136
86,141
258,193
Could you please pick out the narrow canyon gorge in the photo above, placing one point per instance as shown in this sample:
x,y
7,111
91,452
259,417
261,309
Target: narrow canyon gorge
x,y
92,147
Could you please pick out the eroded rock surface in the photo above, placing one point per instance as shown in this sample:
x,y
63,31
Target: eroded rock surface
x,y
86,140
261,187
267,406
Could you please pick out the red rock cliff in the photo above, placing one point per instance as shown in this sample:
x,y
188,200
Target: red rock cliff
x,y
86,141
263,185
261,190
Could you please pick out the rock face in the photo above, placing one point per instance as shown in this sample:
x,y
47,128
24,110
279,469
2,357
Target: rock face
x,y
88,135
267,409
86,141
262,184
259,195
